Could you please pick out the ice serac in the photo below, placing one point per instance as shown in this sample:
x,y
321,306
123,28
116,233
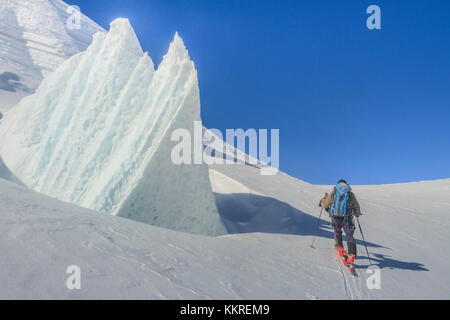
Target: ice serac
x,y
97,133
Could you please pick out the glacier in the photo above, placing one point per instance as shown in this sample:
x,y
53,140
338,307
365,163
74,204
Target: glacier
x,y
35,38
97,134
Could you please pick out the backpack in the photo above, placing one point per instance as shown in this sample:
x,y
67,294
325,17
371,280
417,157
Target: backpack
x,y
340,206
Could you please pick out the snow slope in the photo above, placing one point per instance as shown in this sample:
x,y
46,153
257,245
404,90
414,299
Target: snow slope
x,y
120,258
406,225
123,259
97,133
35,38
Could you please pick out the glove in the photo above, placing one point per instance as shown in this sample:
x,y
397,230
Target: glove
x,y
320,203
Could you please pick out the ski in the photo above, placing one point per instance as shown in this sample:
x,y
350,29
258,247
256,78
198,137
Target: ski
x,y
343,255
351,268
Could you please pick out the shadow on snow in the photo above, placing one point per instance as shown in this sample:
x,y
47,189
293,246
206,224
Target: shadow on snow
x,y
249,213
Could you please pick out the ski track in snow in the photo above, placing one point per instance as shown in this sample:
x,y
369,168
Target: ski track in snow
x,y
345,281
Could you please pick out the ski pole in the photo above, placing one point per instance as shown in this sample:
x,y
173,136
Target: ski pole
x,y
318,222
360,230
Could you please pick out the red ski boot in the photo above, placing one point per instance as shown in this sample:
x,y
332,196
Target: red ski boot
x,y
342,254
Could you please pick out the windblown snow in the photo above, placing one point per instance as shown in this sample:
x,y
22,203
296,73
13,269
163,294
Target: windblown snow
x,y
36,37
97,133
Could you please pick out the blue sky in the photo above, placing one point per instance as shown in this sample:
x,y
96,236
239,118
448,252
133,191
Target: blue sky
x,y
371,106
